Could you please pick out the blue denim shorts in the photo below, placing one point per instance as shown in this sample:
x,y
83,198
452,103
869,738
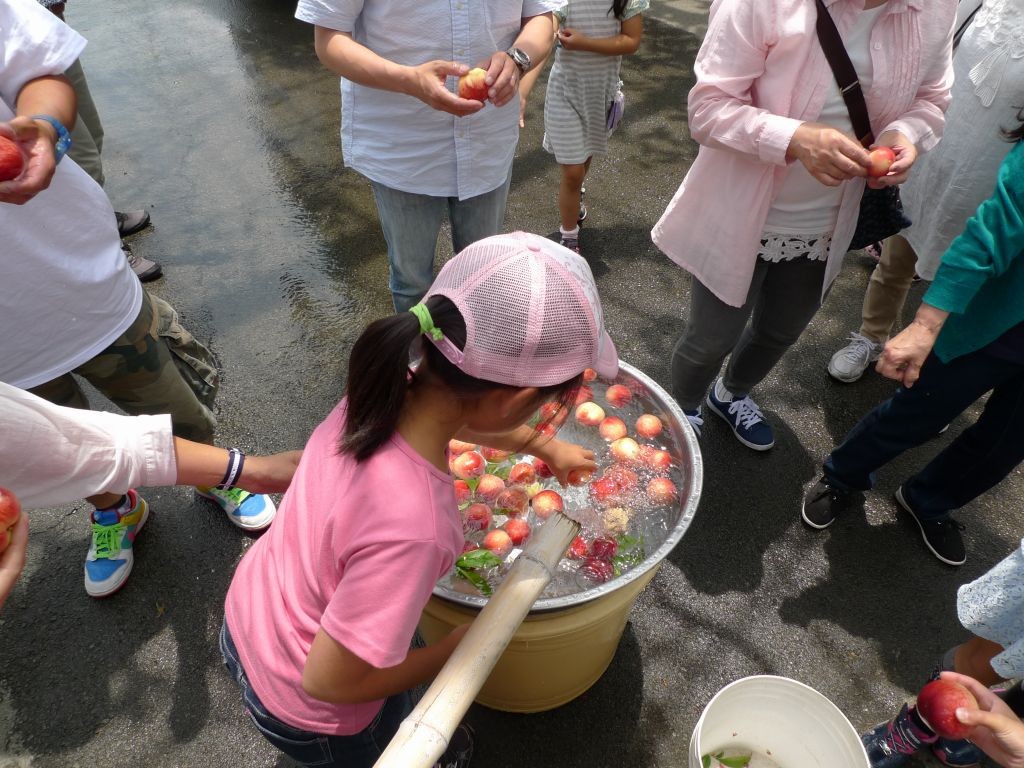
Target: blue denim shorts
x,y
317,749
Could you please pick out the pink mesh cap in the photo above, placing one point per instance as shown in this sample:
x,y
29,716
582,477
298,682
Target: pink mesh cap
x,y
532,313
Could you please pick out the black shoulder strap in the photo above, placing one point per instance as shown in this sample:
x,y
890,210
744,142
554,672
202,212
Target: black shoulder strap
x,y
845,75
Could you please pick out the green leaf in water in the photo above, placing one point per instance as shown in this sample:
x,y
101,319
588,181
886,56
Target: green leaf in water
x,y
476,559
706,761
474,578
736,761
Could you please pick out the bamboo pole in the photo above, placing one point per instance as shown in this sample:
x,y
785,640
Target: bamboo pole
x,y
424,734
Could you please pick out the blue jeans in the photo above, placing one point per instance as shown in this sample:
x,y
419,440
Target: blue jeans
x,y
411,224
316,749
976,460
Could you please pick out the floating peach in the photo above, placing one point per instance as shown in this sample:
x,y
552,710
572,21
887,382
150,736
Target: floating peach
x,y
489,487
648,425
618,396
518,530
626,449
522,474
512,502
579,476
468,465
499,542
589,413
546,503
661,490
462,491
494,455
476,517
612,428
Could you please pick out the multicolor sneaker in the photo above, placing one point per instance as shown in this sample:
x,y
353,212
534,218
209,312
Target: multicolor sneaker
x,y
572,243
249,511
696,420
891,743
957,754
110,559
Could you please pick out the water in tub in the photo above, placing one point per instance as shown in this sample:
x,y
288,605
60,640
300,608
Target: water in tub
x,y
626,509
731,757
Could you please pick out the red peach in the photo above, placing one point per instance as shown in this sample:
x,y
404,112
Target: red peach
x,y
10,512
518,530
473,85
468,465
578,550
596,570
618,395
626,449
583,393
522,474
495,456
661,490
881,158
543,470
648,425
546,503
462,491
579,476
546,430
604,491
589,374
499,542
937,704
555,413
468,546
612,428
489,487
512,502
604,548
458,446
589,413
476,517
12,161
624,478
658,460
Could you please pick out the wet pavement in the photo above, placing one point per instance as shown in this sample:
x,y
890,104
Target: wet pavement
x,y
219,118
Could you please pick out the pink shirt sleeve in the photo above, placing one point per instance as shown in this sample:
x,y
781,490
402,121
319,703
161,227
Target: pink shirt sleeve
x,y
721,113
375,609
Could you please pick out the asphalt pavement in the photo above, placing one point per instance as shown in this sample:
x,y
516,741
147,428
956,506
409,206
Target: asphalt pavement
x,y
219,119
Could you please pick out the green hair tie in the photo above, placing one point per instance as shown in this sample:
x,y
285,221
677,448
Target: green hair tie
x,y
426,321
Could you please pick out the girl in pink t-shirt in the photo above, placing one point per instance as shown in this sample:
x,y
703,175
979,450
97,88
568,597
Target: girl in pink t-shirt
x,y
321,611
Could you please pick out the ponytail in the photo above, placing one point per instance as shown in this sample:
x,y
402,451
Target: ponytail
x,y
379,376
618,8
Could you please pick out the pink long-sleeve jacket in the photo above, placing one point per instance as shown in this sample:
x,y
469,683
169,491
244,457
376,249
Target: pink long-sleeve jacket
x,y
760,74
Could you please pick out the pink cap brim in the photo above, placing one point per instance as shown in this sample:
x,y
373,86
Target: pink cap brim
x,y
607,365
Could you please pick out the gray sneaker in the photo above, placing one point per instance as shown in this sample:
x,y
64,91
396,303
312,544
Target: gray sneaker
x,y
143,268
849,363
130,222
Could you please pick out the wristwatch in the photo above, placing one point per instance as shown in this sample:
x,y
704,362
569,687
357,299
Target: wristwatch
x,y
521,59
63,137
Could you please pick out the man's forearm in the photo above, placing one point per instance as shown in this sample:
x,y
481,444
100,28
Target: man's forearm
x,y
51,95
536,37
342,55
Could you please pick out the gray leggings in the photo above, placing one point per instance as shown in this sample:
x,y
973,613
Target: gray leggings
x,y
782,299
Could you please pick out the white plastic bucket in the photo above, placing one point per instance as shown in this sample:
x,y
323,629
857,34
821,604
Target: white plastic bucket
x,y
785,720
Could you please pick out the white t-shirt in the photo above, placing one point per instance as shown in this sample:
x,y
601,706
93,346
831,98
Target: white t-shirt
x,y
802,204
66,290
54,455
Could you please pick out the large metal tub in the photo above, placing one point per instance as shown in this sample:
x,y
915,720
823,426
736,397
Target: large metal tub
x,y
566,643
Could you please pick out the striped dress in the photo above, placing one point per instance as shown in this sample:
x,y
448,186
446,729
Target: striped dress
x,y
582,84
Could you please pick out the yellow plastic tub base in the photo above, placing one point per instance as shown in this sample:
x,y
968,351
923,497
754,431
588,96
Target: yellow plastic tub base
x,y
553,657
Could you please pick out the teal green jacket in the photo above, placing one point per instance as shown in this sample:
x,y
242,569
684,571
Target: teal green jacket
x,y
981,279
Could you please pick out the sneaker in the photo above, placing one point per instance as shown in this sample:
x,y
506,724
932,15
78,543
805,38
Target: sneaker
x,y
874,251
110,559
130,222
957,754
822,503
572,243
696,420
891,743
459,751
249,511
583,206
143,268
942,537
743,416
849,363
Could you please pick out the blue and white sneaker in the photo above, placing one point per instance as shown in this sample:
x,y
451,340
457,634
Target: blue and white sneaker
x,y
110,558
743,416
249,511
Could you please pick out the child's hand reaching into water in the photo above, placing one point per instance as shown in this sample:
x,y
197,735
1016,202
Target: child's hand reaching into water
x,y
563,457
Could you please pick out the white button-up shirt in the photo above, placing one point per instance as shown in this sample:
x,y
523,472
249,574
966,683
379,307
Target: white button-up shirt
x,y
399,141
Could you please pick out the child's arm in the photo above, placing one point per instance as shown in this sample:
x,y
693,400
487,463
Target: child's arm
x,y
622,44
561,457
335,674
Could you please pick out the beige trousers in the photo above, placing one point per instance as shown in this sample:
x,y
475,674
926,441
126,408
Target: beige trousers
x,y
887,289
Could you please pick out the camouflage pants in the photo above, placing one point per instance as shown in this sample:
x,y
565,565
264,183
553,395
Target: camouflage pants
x,y
156,366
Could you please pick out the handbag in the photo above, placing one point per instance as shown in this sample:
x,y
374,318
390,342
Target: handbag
x,y
881,210
616,109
